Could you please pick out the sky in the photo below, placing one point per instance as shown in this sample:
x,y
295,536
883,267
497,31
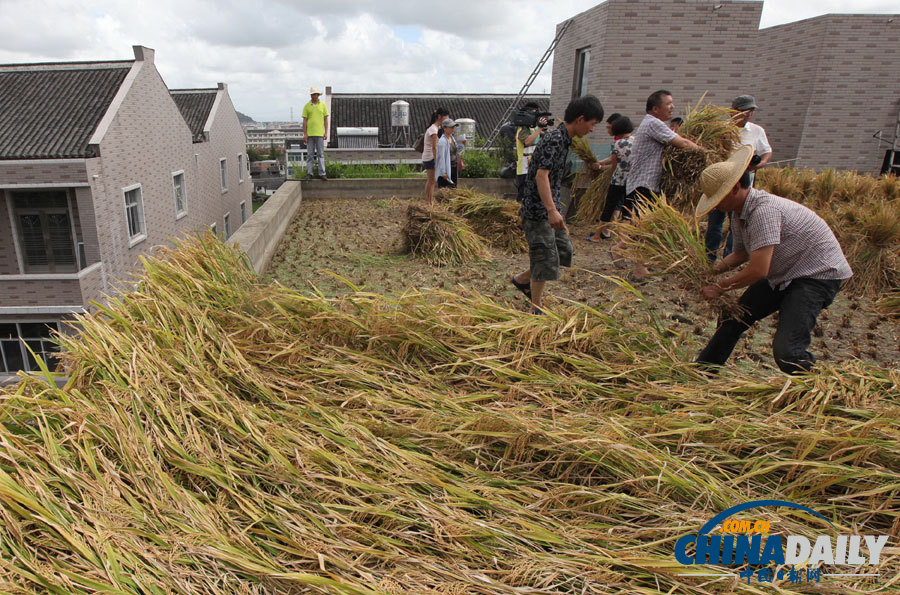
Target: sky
x,y
270,53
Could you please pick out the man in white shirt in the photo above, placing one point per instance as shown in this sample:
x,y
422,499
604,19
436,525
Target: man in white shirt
x,y
755,136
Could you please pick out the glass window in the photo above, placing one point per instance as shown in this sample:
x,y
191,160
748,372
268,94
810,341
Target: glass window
x,y
17,339
44,232
180,194
243,212
223,173
240,159
582,61
134,212
227,225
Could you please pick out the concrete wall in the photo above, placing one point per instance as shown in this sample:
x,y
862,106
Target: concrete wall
x,y
639,46
258,238
394,187
850,88
824,85
226,139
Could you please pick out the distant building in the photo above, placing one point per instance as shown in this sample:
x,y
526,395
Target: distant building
x,y
824,85
373,110
99,163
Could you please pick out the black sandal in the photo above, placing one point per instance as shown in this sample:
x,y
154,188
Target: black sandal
x,y
525,288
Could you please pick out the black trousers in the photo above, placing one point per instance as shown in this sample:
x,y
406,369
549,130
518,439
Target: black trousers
x,y
798,305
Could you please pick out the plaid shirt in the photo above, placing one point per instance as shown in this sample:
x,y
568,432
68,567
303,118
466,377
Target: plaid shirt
x,y
550,154
650,139
804,244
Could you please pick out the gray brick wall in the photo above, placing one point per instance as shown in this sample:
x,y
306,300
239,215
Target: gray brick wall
x,y
145,143
808,77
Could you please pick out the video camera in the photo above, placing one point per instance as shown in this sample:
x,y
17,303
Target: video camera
x,y
530,119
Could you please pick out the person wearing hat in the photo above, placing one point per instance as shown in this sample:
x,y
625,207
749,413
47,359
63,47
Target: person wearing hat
x,y
795,265
445,159
755,136
315,132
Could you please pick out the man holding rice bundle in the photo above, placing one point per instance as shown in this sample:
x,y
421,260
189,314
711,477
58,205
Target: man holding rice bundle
x,y
795,264
651,137
549,244
754,135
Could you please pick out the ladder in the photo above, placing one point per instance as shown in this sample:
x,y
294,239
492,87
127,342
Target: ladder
x,y
527,85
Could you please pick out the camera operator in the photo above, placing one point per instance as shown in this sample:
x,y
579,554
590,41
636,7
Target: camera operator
x,y
527,138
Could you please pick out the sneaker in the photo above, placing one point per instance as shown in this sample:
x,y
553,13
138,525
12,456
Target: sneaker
x,y
323,177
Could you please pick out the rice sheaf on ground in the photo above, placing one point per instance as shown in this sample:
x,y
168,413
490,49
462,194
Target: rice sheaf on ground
x,y
223,434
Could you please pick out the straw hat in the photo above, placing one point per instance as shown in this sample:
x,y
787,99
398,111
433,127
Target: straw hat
x,y
314,91
718,179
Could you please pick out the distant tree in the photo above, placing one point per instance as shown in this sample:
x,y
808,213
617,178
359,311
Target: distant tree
x,y
275,152
256,154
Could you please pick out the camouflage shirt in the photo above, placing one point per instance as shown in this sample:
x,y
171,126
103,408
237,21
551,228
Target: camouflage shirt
x,y
550,154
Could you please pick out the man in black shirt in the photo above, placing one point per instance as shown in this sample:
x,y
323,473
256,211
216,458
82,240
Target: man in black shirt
x,y
549,245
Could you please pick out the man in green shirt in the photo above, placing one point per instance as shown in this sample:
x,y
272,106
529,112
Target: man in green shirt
x,y
315,132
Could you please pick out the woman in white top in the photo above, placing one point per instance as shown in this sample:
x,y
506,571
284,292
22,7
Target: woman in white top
x,y
429,150
445,159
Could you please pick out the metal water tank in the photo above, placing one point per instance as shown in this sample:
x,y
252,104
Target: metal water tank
x,y
400,113
466,126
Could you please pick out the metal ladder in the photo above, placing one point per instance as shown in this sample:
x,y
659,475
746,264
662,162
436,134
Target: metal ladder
x,y
528,83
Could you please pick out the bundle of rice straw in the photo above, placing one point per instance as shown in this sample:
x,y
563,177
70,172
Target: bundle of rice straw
x,y
661,237
440,237
493,218
889,305
593,199
582,148
711,127
870,238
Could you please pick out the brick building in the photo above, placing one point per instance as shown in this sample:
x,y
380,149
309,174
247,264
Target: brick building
x,y
99,163
824,85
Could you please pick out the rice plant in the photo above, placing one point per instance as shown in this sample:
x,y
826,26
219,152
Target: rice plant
x,y
219,435
440,237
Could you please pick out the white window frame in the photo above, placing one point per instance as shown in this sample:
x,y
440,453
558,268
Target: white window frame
x,y
226,224
142,234
182,213
223,173
243,212
240,168
214,228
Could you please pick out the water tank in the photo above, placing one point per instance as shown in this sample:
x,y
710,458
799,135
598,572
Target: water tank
x,y
400,113
466,126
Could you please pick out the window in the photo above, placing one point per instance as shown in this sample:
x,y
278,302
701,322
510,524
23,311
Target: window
x,y
134,214
214,229
582,60
37,336
227,225
180,194
45,232
223,173
240,168
243,212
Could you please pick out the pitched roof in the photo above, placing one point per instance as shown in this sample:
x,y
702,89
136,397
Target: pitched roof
x,y
195,105
374,109
50,111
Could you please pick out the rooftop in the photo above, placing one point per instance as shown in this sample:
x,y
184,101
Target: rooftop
x,y
50,111
374,109
195,105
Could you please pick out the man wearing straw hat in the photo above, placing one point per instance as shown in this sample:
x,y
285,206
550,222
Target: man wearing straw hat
x,y
795,264
315,132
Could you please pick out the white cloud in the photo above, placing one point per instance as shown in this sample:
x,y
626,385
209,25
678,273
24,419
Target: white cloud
x,y
270,53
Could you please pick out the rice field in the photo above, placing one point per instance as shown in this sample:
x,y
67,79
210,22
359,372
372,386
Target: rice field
x,y
222,434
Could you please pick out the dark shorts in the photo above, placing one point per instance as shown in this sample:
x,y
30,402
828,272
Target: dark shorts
x,y
548,249
428,164
615,198
639,195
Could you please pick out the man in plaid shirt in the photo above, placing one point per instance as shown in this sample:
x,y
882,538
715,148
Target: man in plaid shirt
x,y
795,264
